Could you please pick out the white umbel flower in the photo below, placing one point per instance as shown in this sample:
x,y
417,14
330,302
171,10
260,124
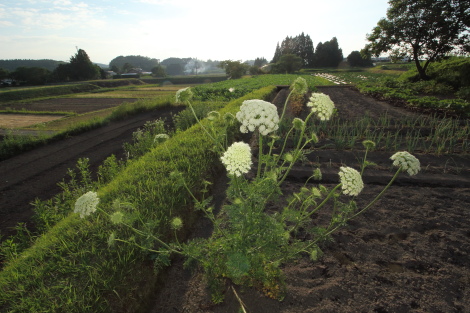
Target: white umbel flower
x,y
406,162
351,181
86,204
258,114
322,105
237,159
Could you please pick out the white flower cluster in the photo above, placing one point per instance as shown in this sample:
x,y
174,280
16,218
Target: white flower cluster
x,y
184,95
406,162
322,105
351,181
258,114
86,204
237,159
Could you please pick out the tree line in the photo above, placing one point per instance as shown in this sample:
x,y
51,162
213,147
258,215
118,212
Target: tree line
x,y
300,49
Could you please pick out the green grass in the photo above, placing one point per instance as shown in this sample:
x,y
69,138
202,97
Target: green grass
x,y
72,269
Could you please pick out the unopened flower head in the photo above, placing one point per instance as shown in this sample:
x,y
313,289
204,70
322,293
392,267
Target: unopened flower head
x,y
298,123
176,223
86,204
160,138
368,144
300,85
351,181
258,114
237,159
407,162
117,217
213,115
184,95
322,105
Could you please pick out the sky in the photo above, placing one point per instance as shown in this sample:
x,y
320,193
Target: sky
x,y
203,29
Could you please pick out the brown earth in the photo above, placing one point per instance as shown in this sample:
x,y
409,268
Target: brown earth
x,y
408,253
35,174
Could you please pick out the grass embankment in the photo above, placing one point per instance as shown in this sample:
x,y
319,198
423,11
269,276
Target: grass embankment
x,y
72,269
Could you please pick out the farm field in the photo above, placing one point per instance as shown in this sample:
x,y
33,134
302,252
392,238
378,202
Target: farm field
x,y
408,253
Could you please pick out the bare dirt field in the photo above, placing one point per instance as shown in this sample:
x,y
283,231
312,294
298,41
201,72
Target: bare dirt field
x,y
77,105
408,253
35,174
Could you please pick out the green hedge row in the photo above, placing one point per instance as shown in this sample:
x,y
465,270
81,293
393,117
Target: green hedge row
x,y
185,79
72,269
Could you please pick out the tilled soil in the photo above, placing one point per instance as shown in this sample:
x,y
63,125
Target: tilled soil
x,y
408,253
35,174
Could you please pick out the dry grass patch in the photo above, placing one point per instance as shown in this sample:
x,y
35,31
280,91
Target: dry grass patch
x,y
24,120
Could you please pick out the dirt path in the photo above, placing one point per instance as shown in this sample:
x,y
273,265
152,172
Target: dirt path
x,y
35,174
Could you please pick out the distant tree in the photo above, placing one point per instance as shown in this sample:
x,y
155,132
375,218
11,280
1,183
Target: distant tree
x,y
4,73
115,69
81,68
355,59
277,54
126,67
289,63
423,29
307,53
300,45
12,65
31,75
175,69
234,69
158,71
137,61
260,62
328,54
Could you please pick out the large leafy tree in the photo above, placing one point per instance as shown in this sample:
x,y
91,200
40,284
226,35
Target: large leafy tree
x,y
422,30
289,63
234,69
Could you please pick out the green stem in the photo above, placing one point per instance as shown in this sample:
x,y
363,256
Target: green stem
x,y
363,167
285,105
260,154
378,196
205,130
148,249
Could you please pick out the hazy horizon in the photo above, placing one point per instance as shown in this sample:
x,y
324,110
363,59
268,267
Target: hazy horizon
x,y
206,29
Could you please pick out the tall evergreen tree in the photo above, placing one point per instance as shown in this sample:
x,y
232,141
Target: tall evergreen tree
x,y
81,67
301,46
328,54
277,54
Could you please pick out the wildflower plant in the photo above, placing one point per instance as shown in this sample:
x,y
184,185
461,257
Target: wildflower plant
x,y
249,243
322,105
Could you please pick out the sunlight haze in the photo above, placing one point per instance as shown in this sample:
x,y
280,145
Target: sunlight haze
x,y
205,29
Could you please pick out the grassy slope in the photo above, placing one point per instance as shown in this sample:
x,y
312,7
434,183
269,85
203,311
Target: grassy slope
x,y
71,268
